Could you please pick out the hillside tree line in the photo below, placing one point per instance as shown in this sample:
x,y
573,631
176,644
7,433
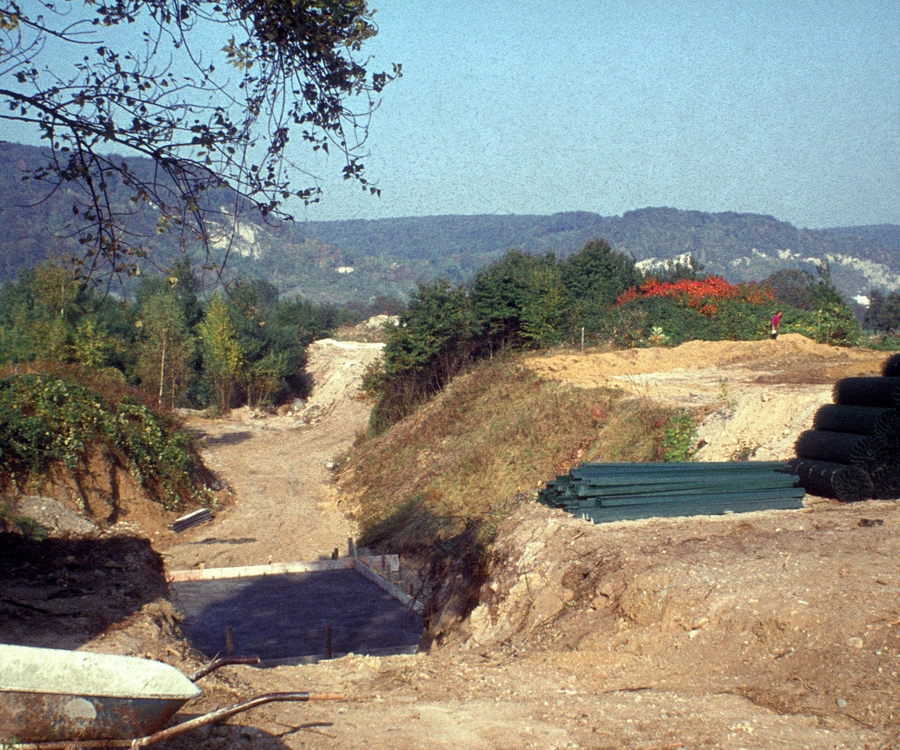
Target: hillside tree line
x,y
243,344
591,297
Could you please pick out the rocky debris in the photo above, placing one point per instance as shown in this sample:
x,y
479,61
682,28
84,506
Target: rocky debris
x,y
56,517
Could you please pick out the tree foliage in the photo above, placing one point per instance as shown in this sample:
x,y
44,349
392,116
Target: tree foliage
x,y
242,345
520,300
883,313
49,313
594,277
166,347
792,287
210,92
222,355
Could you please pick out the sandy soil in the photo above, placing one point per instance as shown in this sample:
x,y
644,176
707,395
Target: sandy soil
x,y
755,397
762,630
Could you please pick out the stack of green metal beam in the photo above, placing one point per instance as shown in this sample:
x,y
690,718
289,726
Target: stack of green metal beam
x,y
623,492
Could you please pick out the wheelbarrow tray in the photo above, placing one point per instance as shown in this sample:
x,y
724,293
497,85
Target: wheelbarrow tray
x,y
52,695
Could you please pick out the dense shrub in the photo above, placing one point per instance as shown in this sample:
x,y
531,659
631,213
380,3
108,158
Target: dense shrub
x,y
832,324
47,420
688,309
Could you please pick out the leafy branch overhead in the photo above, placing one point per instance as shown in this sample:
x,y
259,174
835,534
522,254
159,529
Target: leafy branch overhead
x,y
212,92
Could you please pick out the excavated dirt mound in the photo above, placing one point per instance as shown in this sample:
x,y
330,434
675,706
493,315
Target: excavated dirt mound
x,y
795,611
753,397
791,358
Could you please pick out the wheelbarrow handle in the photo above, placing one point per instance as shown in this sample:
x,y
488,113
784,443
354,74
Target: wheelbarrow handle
x,y
163,734
224,713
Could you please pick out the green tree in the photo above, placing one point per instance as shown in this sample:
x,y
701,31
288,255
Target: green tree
x,y
266,377
48,313
252,304
873,316
517,299
889,313
546,309
39,314
90,343
434,334
792,287
222,356
166,348
294,325
283,69
594,277
435,339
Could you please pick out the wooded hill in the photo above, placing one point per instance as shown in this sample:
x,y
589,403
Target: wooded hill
x,y
342,261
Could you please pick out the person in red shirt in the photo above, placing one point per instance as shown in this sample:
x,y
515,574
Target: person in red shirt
x,y
776,321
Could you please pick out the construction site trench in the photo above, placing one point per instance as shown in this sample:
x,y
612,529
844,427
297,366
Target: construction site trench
x,y
754,630
295,618
318,598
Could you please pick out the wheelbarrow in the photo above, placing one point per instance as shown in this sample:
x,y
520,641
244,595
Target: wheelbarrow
x,y
51,698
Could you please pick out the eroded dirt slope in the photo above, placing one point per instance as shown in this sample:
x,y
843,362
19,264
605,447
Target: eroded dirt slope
x,y
755,397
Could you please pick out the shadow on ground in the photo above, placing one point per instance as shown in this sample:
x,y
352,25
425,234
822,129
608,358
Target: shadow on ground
x,y
61,593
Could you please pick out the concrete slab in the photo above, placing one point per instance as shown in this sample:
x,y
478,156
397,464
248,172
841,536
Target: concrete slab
x,y
284,617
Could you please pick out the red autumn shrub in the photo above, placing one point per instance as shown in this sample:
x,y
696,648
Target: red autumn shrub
x,y
700,294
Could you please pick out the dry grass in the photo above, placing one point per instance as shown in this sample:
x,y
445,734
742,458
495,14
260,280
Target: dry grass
x,y
490,439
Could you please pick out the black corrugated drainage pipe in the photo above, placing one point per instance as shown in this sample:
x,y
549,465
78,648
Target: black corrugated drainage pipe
x,y
867,392
827,479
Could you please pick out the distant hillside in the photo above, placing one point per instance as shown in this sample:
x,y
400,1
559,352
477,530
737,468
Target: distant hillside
x,y
740,247
343,261
886,235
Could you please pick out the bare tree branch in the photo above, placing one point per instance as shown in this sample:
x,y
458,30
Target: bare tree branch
x,y
208,121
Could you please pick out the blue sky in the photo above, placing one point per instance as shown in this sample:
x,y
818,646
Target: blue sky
x,y
783,108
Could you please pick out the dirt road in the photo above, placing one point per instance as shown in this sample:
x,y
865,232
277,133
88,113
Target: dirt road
x,y
278,469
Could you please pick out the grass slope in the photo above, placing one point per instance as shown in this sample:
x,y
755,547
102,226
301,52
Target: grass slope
x,y
494,436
